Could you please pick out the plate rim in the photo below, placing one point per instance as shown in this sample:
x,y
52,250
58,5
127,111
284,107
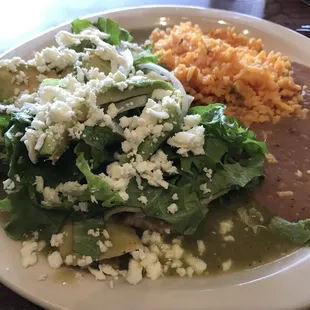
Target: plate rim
x,y
21,290
130,8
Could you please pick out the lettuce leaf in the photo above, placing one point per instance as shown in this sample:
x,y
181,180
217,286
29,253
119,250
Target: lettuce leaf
x,y
78,25
297,232
27,218
109,26
190,210
83,243
145,57
4,121
98,188
14,148
98,144
112,28
228,128
101,137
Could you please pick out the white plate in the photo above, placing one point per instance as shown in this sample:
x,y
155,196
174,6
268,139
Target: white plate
x,y
279,285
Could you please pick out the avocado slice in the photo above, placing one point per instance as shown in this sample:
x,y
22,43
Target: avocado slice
x,y
54,148
6,77
96,62
135,88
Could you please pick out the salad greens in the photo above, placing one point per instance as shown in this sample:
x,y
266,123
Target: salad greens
x,y
298,232
117,138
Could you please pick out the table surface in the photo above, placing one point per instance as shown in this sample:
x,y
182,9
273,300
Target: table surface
x,y
48,13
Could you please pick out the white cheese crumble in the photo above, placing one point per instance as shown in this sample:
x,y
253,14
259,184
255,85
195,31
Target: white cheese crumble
x,y
208,172
134,275
103,248
136,129
39,184
175,196
57,239
98,274
108,243
94,233
70,189
69,260
167,231
29,256
204,188
191,121
8,185
190,271
201,247
226,265
105,234
54,58
191,140
112,110
142,199
173,208
118,176
229,238
198,265
84,261
181,272
92,34
11,64
20,78
108,270
54,260
226,227
50,196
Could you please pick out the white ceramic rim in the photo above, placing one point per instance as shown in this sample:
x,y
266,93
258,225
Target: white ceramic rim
x,y
283,275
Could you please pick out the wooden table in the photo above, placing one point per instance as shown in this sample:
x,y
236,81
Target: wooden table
x,y
290,13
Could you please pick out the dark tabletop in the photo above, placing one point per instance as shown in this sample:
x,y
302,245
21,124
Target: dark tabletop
x,y
17,25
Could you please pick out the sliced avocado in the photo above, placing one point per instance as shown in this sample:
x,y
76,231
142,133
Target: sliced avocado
x,y
96,62
123,238
6,77
54,148
135,88
149,146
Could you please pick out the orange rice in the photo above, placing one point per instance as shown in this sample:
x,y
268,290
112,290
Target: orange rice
x,y
225,66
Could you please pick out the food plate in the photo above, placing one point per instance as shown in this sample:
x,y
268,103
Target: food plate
x,y
278,285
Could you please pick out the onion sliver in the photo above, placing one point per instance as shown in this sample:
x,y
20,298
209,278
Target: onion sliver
x,y
186,101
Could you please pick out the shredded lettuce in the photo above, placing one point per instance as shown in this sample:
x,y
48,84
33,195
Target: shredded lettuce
x,y
106,25
228,128
145,57
190,210
78,25
297,232
27,218
98,188
83,243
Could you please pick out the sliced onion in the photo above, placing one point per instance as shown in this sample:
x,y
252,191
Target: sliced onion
x,y
175,82
127,55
